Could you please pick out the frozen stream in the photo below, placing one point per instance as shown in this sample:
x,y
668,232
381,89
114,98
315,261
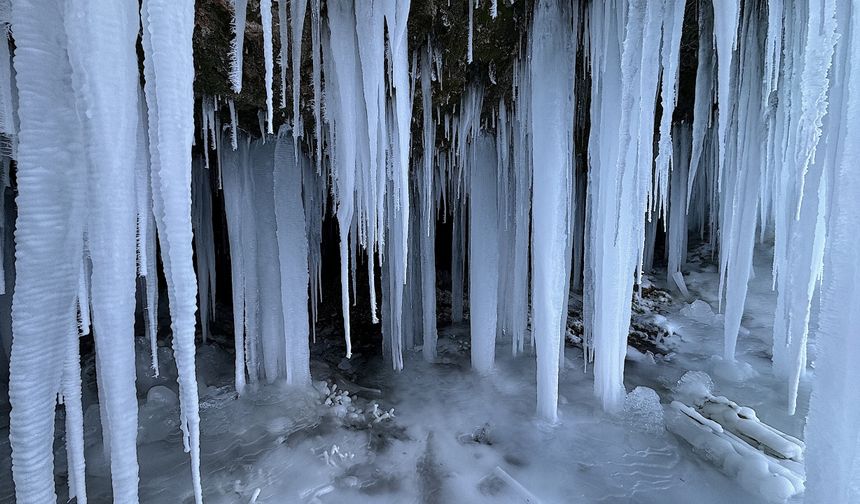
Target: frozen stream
x,y
455,436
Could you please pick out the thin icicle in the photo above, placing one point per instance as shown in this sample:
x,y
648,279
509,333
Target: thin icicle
x,y
284,56
237,45
297,24
268,61
168,66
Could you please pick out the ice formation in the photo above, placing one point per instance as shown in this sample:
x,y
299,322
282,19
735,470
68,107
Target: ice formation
x,y
596,158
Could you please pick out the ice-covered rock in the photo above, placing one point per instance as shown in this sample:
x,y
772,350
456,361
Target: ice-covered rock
x,y
162,396
693,387
700,311
643,411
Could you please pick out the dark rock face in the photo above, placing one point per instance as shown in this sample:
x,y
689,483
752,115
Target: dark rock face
x,y
444,23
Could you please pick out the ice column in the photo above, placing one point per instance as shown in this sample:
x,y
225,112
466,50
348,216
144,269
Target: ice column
x,y
551,74
293,258
483,252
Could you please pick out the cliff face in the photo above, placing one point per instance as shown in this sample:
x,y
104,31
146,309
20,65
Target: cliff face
x,y
443,22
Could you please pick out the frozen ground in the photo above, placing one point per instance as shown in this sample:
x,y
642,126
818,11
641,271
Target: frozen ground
x,y
455,436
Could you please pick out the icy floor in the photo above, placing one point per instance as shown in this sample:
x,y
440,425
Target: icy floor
x,y
455,436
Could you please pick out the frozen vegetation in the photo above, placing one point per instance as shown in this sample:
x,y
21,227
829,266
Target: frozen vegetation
x,y
625,251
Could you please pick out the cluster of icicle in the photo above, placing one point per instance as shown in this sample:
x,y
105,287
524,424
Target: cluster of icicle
x,y
264,183
771,145
102,167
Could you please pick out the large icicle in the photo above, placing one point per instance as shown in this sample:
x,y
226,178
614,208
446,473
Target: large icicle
x,y
343,99
551,105
623,59
106,81
677,230
169,70
293,257
260,200
483,252
48,236
370,32
396,20
741,180
833,450
800,189
233,198
427,222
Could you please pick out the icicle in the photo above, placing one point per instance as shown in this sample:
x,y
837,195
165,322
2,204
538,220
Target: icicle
x,y
43,304
704,94
234,124
801,195
317,85
551,74
672,23
293,257
8,128
483,252
71,393
471,30
106,81
458,230
260,203
237,45
676,234
620,159
370,31
725,36
429,131
741,184
522,214
204,245
283,57
233,209
168,66
833,409
402,124
297,18
427,256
